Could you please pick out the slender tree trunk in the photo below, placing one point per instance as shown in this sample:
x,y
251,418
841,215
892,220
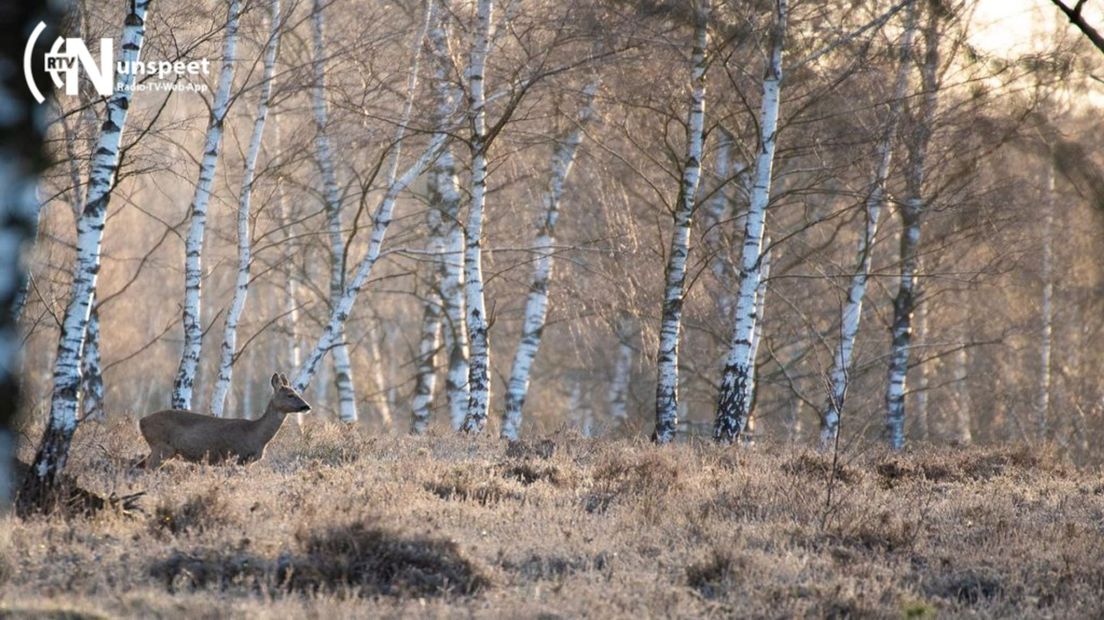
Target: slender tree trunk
x,y
911,215
342,363
38,489
241,286
479,381
381,219
734,399
293,352
452,290
425,373
193,249
1042,407
962,408
92,385
536,306
922,425
579,411
622,372
901,329
747,435
840,375
794,423
444,197
720,209
425,377
446,184
380,393
667,359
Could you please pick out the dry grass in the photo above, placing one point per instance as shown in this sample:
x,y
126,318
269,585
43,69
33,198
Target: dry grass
x,y
337,524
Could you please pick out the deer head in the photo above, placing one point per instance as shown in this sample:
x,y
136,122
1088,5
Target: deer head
x,y
285,399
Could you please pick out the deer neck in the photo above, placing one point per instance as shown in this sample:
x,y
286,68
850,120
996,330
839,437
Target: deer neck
x,y
267,425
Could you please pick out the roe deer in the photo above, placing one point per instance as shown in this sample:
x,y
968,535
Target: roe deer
x,y
203,438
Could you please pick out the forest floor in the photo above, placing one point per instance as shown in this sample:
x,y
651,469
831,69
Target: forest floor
x,y
336,523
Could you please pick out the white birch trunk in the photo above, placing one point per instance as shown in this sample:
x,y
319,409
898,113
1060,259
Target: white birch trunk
x,y
479,384
342,363
53,450
294,352
380,393
333,335
1042,407
622,372
911,215
425,373
840,374
444,187
963,435
747,435
381,220
452,291
92,385
241,285
719,210
536,305
922,424
578,409
667,359
193,248
734,399
795,425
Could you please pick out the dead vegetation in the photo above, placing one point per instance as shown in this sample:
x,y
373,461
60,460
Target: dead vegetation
x,y
338,524
346,560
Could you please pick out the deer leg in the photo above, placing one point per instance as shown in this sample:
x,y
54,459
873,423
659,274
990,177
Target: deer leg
x,y
158,454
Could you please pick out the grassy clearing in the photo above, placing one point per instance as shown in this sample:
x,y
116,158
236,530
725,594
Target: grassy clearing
x,y
335,523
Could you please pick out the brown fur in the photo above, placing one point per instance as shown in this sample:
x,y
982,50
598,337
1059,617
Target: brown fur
x,y
202,438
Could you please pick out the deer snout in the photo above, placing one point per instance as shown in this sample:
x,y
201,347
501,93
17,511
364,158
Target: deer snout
x,y
303,409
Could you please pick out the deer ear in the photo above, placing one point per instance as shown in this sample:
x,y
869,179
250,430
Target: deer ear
x,y
284,380
275,381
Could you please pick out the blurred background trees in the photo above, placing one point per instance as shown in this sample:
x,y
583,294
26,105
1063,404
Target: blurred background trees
x,y
1005,313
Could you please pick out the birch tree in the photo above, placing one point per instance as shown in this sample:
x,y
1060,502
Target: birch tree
x,y
343,371
734,399
92,385
228,350
53,450
444,195
756,338
193,248
425,372
962,405
443,306
381,218
667,372
452,290
479,381
1047,302
618,396
842,360
536,305
381,221
719,210
922,423
912,213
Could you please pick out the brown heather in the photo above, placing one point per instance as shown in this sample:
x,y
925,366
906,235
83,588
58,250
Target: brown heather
x,y
333,523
